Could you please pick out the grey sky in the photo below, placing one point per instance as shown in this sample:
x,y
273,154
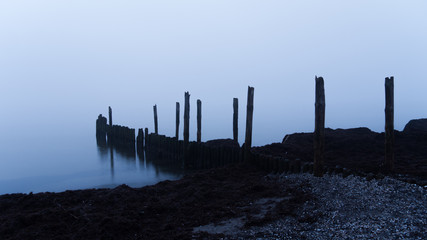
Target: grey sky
x,y
64,62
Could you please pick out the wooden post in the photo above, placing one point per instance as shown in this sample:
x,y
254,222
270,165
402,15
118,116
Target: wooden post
x,y
140,139
199,121
186,124
156,129
319,127
249,118
146,138
177,121
110,116
389,124
235,119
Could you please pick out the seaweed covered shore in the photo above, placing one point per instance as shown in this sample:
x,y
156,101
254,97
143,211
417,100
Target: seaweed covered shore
x,y
167,210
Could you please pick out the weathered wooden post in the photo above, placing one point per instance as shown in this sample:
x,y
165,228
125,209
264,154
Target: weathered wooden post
x,y
199,121
140,139
177,121
319,128
186,124
101,126
235,119
146,138
249,118
110,116
156,129
389,124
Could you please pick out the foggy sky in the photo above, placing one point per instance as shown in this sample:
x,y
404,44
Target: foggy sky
x,y
64,62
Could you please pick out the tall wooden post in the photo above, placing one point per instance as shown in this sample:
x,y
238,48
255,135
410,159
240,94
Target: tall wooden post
x,y
235,119
186,124
177,121
319,128
249,118
156,127
389,124
110,116
199,121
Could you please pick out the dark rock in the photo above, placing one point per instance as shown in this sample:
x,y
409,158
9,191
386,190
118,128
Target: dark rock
x,y
379,176
360,149
338,169
370,176
416,126
222,143
346,172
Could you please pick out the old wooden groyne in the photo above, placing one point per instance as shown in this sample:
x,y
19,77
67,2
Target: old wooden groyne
x,y
198,155
120,137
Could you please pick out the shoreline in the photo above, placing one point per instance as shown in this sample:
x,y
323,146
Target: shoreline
x,y
245,201
233,202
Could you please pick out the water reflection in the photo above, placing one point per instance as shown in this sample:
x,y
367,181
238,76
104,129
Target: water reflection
x,y
112,162
128,157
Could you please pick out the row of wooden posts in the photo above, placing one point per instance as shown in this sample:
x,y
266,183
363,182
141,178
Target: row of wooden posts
x,y
198,154
249,120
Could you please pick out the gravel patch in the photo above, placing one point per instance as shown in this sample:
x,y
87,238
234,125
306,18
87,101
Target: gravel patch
x,y
349,208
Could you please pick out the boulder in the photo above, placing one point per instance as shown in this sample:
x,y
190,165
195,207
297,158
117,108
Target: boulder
x,y
416,126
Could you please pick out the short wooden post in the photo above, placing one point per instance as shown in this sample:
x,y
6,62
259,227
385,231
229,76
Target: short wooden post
x,y
146,138
235,119
156,126
249,118
319,127
186,124
177,121
110,116
389,124
199,121
140,139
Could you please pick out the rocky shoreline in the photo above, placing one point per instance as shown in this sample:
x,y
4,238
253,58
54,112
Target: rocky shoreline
x,y
349,208
235,202
167,210
243,201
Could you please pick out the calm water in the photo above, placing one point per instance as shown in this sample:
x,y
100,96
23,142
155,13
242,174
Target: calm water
x,y
55,162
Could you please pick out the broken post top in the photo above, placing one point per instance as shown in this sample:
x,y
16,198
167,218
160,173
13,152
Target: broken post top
x,y
250,96
156,128
199,121
110,116
320,90
389,80
187,106
186,118
235,119
389,89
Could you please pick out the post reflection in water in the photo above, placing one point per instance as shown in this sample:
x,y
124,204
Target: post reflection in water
x,y
112,163
126,169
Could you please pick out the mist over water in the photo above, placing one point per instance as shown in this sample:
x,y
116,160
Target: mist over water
x,y
62,64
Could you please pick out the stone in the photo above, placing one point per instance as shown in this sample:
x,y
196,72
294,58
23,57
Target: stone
x,y
416,126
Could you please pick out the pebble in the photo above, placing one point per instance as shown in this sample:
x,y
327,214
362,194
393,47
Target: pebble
x,y
350,208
